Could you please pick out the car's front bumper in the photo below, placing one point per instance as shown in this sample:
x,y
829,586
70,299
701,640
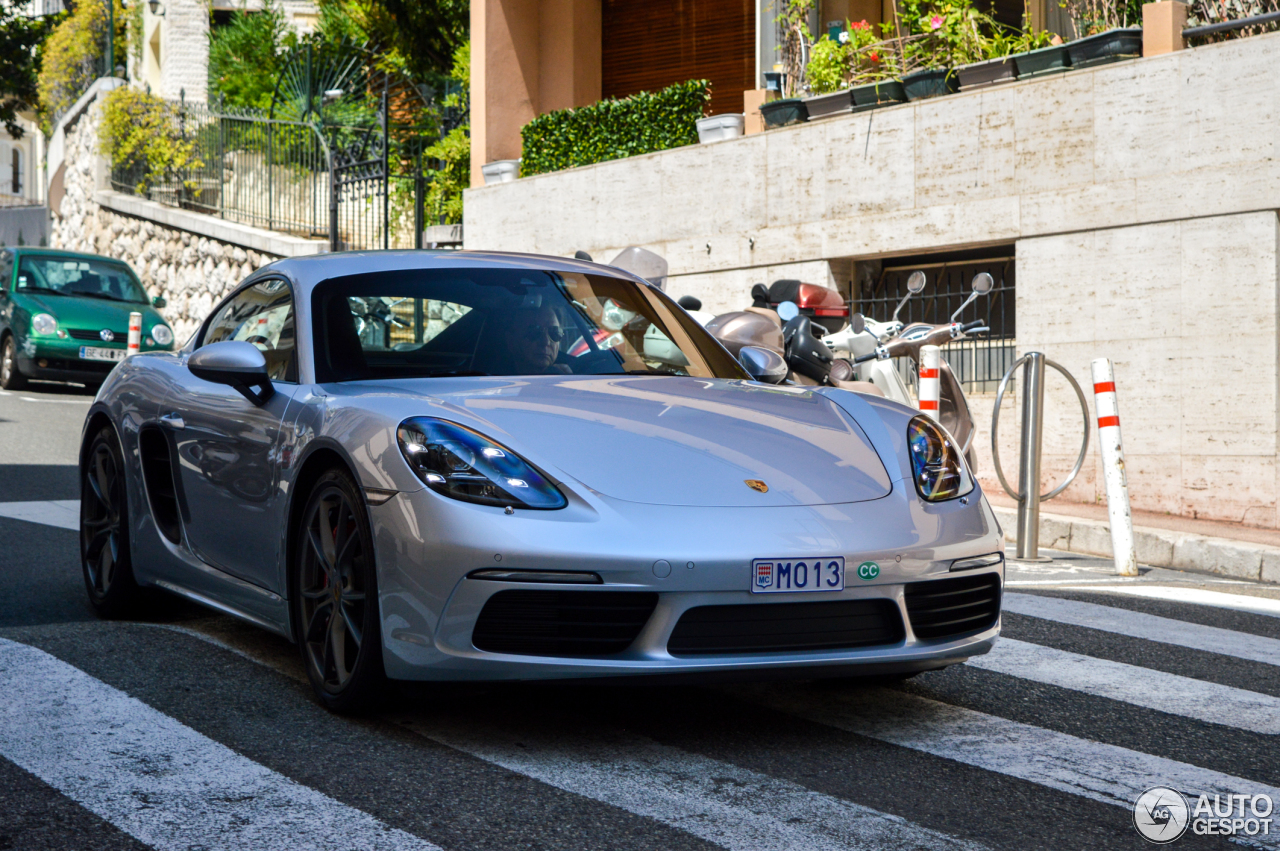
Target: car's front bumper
x,y
57,359
428,544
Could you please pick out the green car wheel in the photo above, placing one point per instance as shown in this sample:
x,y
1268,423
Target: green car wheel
x,y
11,377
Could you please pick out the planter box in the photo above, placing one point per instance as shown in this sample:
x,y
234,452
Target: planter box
x,y
932,83
500,171
717,128
1110,46
825,106
872,95
979,75
1046,60
780,113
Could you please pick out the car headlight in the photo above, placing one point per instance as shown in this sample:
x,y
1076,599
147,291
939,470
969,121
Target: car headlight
x,y
457,462
937,467
162,335
43,323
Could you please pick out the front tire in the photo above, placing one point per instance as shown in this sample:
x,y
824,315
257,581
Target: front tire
x,y
336,601
11,377
105,556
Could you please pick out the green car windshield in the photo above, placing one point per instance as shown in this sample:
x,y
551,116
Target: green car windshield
x,y
79,277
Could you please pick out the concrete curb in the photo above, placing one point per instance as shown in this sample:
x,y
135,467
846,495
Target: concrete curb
x,y
1155,547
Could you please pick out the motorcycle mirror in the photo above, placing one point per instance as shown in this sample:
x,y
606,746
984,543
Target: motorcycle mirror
x,y
857,323
581,255
915,285
689,302
788,311
764,365
982,284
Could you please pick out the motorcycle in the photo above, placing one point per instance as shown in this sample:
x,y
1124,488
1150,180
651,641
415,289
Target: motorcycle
x,y
878,344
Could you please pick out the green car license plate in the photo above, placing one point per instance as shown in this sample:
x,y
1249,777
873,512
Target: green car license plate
x,y
97,353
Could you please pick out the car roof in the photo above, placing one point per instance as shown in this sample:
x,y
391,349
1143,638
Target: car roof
x,y
308,271
58,252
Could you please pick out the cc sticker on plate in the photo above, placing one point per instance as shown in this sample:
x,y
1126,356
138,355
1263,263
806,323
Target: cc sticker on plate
x,y
868,570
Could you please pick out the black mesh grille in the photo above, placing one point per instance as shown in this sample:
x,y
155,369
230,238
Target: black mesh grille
x,y
81,334
562,623
782,627
950,608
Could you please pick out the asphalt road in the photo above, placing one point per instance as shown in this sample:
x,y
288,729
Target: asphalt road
x,y
189,730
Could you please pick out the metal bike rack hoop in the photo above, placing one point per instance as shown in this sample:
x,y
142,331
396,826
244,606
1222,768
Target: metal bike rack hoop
x,y
995,421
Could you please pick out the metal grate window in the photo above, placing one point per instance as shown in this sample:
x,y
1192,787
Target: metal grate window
x,y
979,362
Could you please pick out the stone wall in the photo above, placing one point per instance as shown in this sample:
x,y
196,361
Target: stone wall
x,y
191,271
1140,199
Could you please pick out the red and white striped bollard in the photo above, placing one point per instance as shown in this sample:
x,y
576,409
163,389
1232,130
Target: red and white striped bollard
x,y
1113,470
135,333
930,386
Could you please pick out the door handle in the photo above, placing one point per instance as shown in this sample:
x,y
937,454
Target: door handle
x,y
173,421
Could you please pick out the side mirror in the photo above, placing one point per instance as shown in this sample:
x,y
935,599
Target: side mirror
x,y
857,323
982,284
158,302
788,311
915,285
237,364
690,302
764,365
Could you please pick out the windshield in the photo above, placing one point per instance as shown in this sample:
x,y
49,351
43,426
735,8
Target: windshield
x,y
79,277
435,322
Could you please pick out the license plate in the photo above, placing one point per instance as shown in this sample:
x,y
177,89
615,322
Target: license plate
x,y
780,576
96,353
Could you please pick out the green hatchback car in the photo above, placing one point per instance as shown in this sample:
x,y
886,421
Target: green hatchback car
x,y
65,316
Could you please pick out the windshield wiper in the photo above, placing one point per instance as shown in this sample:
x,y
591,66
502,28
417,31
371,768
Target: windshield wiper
x,y
30,289
453,373
648,372
106,297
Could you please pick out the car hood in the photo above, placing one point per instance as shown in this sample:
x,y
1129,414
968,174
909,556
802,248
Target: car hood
x,y
90,313
678,441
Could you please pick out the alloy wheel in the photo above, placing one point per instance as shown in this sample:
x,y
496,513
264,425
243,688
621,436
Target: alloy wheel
x,y
100,518
332,588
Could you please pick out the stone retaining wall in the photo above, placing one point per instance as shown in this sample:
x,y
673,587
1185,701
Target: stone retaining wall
x,y
192,272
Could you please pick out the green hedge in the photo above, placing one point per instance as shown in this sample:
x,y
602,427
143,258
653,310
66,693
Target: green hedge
x,y
613,129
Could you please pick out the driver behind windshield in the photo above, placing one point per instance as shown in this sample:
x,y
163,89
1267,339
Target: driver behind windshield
x,y
532,338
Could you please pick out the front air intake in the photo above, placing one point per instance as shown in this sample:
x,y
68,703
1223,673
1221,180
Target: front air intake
x,y
786,627
562,623
955,607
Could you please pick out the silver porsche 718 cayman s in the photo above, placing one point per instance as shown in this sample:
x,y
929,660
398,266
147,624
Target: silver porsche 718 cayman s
x,y
464,465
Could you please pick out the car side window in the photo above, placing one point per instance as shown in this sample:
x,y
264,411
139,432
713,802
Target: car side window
x,y
261,314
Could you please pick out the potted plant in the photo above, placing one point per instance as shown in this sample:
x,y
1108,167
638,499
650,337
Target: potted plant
x,y
1003,45
716,128
880,93
1053,59
828,73
1108,46
1110,31
796,44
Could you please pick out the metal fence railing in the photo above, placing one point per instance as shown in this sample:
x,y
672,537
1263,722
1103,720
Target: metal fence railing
x,y
979,362
359,187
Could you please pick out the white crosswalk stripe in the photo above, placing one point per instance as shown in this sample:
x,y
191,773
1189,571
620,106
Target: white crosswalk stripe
x,y
1200,596
62,513
737,809
1102,772
1203,701
158,780
1193,636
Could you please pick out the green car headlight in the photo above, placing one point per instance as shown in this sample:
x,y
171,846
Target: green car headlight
x,y
44,324
937,467
162,335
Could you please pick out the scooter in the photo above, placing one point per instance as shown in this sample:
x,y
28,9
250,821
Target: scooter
x,y
874,355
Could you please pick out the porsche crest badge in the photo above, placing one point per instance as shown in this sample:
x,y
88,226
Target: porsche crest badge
x,y
757,485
